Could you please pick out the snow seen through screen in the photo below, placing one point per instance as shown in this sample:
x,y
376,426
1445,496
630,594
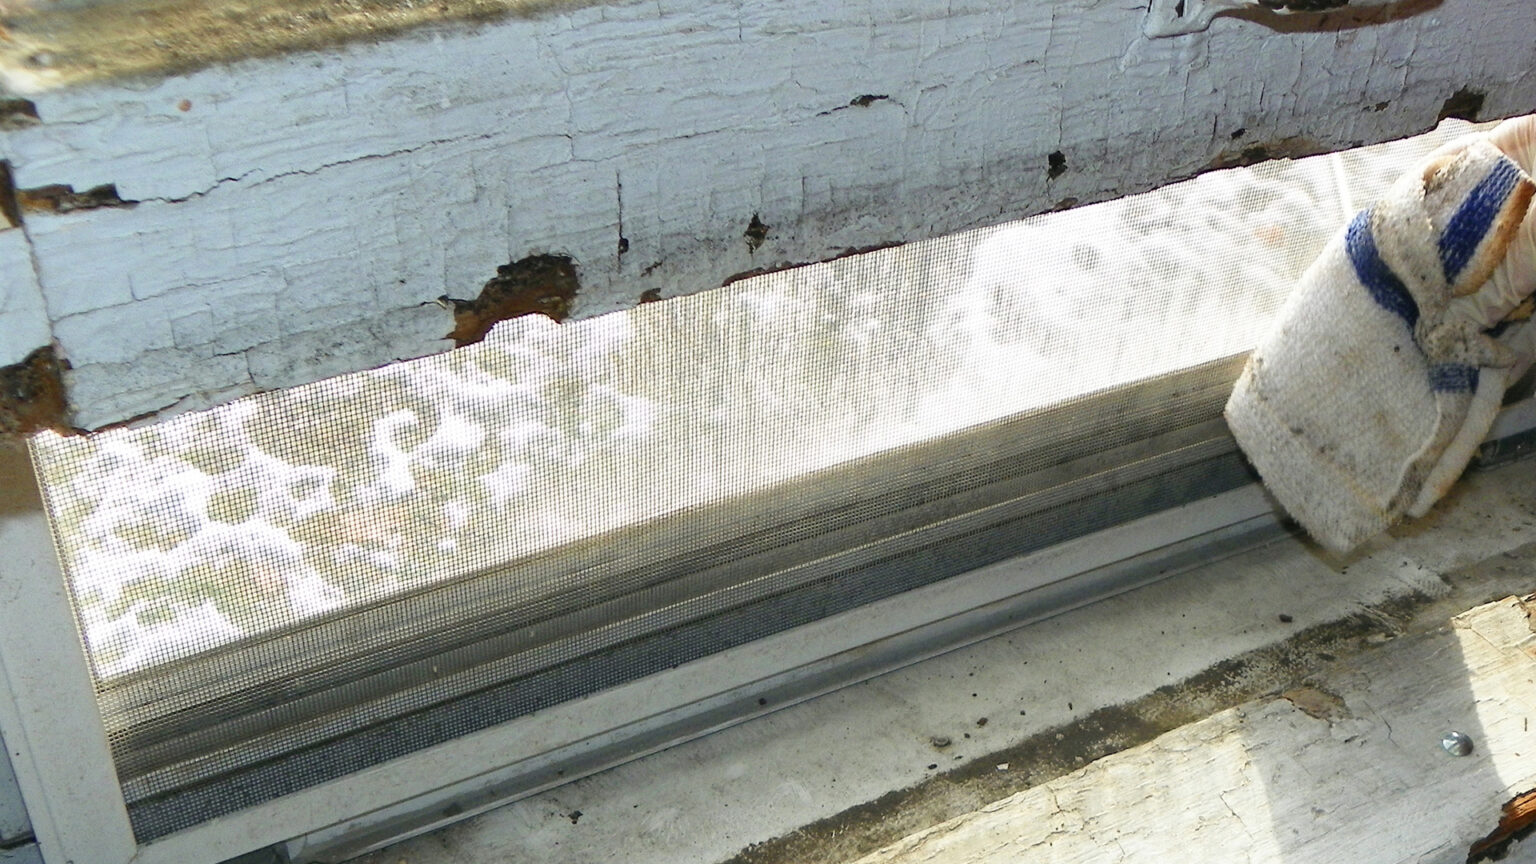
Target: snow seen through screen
x,y
213,526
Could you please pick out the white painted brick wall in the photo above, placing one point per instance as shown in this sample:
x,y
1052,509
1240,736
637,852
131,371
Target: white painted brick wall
x,y
300,219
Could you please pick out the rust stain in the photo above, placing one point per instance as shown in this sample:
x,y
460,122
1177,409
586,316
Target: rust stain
x,y
1271,235
536,285
32,395
1518,819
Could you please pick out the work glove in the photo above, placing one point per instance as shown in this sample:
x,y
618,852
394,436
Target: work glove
x,y
1389,361
1487,261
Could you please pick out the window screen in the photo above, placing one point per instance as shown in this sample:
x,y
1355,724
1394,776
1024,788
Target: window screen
x,y
298,584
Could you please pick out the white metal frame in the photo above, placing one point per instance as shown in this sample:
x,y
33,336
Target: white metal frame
x,y
48,712
48,709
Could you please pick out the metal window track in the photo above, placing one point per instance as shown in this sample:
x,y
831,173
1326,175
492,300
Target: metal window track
x,y
257,722
970,559
963,610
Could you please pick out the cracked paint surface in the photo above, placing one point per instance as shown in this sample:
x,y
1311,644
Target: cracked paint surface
x,y
1272,781
299,215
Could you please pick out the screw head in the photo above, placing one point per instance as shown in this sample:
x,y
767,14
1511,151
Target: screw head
x,y
1457,743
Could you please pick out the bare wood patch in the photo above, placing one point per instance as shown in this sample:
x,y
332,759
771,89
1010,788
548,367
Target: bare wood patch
x,y
1464,104
32,395
60,198
536,285
1518,821
59,44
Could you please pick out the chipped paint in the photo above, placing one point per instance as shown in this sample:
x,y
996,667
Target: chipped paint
x,y
32,395
1517,822
298,216
537,285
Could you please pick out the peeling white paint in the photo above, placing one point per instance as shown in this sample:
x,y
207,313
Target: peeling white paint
x,y
23,319
300,218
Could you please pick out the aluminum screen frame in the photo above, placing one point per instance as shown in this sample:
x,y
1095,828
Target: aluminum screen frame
x,y
68,770
927,526
1006,489
65,769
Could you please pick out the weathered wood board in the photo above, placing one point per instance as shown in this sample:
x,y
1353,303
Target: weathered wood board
x,y
269,222
1350,770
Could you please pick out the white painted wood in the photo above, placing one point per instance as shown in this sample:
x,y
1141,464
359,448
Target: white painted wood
x,y
24,322
48,715
1358,777
304,212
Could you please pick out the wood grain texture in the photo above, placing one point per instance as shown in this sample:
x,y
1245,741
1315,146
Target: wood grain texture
x,y
1274,782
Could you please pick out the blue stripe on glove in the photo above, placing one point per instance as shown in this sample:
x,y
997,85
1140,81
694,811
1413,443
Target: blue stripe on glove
x,y
1470,223
1386,289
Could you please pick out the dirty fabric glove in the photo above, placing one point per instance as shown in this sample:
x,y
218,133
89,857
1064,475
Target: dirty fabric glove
x,y
1496,311
1390,359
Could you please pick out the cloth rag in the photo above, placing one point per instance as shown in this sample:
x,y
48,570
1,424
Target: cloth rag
x,y
1389,361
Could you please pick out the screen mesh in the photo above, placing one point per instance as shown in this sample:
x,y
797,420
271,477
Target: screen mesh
x,y
302,566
